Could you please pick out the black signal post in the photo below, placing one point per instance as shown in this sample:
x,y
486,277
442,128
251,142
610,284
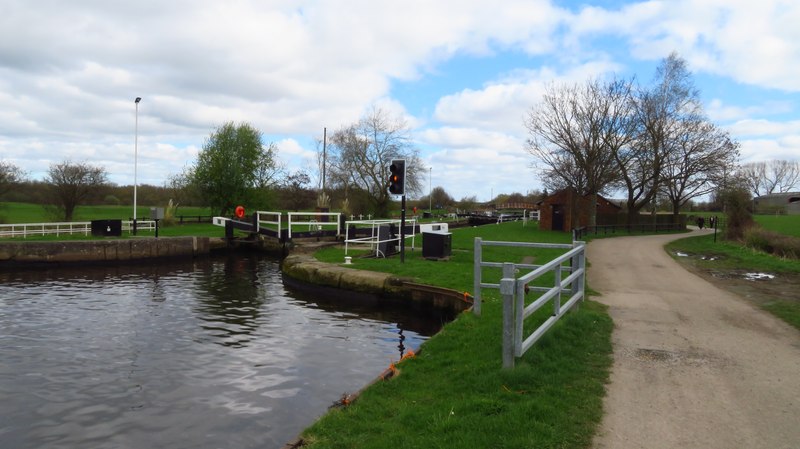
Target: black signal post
x,y
397,186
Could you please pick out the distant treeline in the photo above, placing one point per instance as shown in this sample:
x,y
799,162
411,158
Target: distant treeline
x,y
281,197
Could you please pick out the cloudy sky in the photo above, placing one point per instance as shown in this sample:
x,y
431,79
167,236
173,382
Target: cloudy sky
x,y
463,73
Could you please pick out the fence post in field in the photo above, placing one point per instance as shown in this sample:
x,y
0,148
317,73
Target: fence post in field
x,y
507,288
575,264
476,286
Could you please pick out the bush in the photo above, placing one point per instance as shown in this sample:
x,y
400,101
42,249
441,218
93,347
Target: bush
x,y
169,214
773,243
111,200
737,202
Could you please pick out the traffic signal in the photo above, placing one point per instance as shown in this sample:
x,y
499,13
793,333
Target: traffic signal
x,y
397,177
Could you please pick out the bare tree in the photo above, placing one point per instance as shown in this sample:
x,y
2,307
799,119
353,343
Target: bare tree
x,y
10,174
660,112
703,154
468,203
776,176
297,195
359,156
576,133
71,183
180,188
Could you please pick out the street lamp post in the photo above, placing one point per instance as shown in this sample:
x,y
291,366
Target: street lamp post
x,y
430,189
135,161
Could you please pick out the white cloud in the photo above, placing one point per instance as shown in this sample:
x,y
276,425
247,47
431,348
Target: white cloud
x,y
502,104
753,150
478,162
763,127
69,73
719,111
752,42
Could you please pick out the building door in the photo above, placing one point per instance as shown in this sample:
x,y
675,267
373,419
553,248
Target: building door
x,y
558,217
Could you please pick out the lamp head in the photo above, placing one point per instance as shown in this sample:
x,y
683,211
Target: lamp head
x,y
138,99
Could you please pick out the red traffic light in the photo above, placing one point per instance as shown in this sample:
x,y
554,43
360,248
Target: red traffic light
x,y
397,177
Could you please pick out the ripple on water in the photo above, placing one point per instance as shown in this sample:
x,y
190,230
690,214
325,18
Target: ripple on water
x,y
215,353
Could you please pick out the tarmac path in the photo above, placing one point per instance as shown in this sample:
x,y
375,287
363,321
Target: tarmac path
x,y
694,366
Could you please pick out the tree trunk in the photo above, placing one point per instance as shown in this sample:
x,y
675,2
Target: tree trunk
x,y
593,209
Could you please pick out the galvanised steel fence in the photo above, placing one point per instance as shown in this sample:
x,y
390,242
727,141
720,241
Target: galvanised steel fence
x,y
514,290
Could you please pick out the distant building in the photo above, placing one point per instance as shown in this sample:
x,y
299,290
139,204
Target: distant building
x,y
785,203
566,210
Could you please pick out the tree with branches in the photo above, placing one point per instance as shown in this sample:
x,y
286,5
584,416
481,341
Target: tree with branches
x,y
359,156
702,156
234,168
71,183
766,177
660,111
577,131
10,175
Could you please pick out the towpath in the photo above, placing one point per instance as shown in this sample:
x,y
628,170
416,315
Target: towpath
x,y
694,366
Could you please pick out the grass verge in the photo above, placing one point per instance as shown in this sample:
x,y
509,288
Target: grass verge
x,y
455,394
776,296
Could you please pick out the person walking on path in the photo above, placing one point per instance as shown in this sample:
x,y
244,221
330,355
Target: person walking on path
x,y
694,366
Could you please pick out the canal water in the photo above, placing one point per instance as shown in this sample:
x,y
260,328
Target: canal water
x,y
214,353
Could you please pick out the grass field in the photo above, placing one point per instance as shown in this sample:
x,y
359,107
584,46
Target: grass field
x,y
18,213
12,213
784,224
455,394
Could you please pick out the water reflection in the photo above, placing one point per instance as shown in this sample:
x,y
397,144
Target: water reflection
x,y
232,299
212,353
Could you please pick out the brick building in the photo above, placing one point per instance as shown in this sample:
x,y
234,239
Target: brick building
x,y
566,210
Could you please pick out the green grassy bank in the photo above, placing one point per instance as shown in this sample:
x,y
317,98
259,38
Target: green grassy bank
x,y
454,393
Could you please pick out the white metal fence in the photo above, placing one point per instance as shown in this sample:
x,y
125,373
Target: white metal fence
x,y
513,290
314,221
373,239
269,220
529,215
25,230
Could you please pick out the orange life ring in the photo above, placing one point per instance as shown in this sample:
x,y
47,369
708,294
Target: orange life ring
x,y
239,211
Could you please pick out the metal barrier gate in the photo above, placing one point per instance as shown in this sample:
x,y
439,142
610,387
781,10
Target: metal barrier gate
x,y
513,290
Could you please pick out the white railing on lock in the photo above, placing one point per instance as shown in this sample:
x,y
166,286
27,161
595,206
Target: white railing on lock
x,y
141,225
271,220
313,222
373,240
528,215
513,290
25,229
64,228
